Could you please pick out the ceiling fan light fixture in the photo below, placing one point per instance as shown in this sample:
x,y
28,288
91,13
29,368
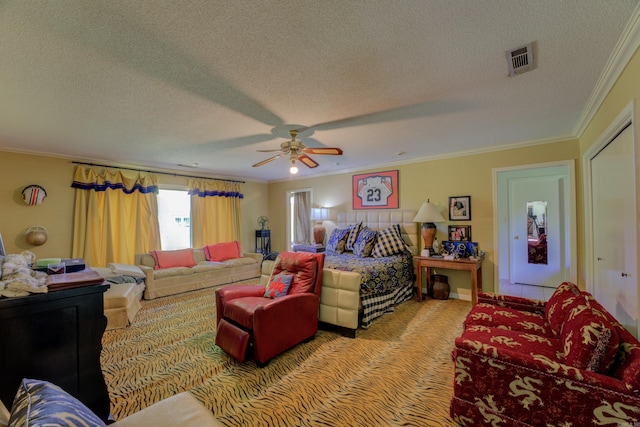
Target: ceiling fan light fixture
x,y
293,169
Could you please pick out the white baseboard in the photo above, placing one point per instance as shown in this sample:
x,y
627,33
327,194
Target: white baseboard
x,y
455,295
452,295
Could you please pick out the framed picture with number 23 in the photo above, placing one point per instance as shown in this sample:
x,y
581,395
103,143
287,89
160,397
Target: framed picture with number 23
x,y
377,190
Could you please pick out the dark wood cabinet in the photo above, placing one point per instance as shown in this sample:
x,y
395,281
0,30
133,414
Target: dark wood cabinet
x,y
55,337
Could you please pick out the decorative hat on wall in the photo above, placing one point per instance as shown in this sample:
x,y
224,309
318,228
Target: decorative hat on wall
x,y
36,235
33,194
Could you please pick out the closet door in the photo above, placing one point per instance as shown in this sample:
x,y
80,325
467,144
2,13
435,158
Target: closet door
x,y
613,194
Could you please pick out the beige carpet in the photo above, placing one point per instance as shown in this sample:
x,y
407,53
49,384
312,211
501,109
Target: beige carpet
x,y
397,373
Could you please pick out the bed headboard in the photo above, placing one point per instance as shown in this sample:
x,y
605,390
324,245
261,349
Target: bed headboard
x,y
378,220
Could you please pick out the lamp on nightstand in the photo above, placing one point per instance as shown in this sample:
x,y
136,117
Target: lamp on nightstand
x,y
319,231
428,215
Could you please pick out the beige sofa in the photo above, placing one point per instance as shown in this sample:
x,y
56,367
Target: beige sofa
x,y
205,274
339,298
180,410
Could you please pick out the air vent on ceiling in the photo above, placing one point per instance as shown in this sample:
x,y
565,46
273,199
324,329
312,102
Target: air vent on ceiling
x,y
520,60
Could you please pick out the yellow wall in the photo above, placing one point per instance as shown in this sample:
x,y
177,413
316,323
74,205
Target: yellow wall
x,y
56,212
436,180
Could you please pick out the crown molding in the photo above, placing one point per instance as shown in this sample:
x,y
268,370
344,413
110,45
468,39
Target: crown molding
x,y
620,57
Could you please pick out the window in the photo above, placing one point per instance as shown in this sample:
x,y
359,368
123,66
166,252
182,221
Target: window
x,y
174,216
299,217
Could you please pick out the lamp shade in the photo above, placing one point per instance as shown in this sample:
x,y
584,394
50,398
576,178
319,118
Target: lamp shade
x,y
320,214
428,213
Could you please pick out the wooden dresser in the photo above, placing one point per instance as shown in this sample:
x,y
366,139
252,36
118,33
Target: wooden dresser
x,y
55,337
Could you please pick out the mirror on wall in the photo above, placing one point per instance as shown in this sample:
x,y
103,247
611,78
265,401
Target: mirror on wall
x,y
537,232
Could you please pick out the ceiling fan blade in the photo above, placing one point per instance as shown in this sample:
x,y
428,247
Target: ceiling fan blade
x,y
324,150
270,159
307,161
268,151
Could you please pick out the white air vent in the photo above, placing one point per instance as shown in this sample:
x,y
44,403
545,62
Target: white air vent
x,y
520,60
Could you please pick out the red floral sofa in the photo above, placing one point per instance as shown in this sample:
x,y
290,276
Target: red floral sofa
x,y
566,362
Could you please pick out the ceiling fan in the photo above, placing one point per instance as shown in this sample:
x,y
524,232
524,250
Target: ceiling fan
x,y
296,150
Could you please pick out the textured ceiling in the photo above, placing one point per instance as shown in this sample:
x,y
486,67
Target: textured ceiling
x,y
162,84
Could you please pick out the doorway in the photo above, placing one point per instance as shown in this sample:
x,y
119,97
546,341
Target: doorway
x,y
534,228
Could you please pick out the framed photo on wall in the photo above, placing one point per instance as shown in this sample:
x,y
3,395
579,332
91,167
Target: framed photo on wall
x,y
377,190
459,233
460,208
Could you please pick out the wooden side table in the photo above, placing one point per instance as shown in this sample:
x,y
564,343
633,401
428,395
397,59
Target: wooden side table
x,y
473,266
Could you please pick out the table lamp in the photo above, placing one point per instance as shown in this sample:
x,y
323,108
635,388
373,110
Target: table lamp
x,y
319,231
428,215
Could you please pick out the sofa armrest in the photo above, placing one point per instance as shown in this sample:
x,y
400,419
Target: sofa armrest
x,y
256,256
265,271
180,410
148,281
227,293
518,303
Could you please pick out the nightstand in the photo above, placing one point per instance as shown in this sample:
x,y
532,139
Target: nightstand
x,y
308,248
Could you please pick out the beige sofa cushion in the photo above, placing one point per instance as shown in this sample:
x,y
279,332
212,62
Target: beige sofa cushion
x,y
180,410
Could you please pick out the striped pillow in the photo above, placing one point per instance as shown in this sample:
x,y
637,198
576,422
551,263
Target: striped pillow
x,y
353,236
390,242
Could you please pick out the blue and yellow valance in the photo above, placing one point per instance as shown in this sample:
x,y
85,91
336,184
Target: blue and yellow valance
x,y
116,179
214,188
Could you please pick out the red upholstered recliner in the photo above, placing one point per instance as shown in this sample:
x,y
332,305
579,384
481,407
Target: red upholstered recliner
x,y
246,318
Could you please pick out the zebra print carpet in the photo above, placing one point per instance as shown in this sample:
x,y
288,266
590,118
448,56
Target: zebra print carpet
x,y
396,373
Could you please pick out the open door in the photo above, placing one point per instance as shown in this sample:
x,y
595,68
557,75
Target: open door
x,y
535,230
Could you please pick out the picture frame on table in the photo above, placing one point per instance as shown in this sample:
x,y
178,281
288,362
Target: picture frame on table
x,y
377,190
459,233
460,208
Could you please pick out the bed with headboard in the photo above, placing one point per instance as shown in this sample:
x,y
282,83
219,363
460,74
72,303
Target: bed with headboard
x,y
387,276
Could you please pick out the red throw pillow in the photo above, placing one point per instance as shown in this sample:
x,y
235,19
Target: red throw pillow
x,y
278,285
168,259
222,251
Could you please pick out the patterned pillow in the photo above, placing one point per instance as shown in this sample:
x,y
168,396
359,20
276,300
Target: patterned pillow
x,y
365,242
278,285
562,300
390,242
353,236
40,403
590,341
337,241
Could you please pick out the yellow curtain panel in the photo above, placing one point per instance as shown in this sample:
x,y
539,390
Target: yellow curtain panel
x,y
116,215
215,211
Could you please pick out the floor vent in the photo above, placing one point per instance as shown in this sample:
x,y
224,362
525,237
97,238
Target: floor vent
x,y
520,60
